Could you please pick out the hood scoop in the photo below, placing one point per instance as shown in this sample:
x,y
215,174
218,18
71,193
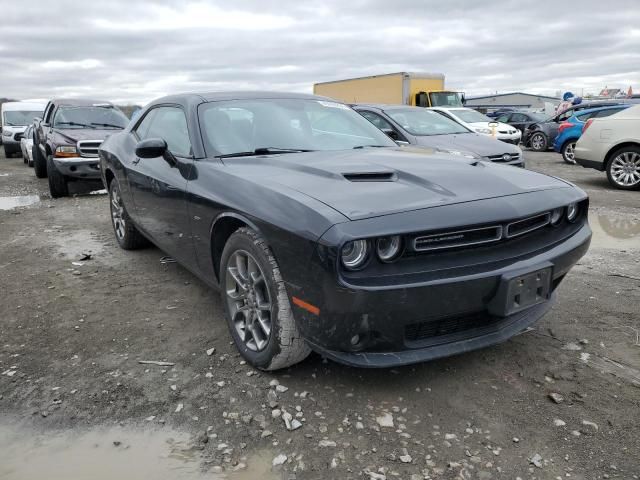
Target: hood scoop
x,y
371,176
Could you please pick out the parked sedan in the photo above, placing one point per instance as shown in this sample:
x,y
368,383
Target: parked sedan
x,y
322,234
425,127
540,136
612,145
570,130
481,124
521,120
26,144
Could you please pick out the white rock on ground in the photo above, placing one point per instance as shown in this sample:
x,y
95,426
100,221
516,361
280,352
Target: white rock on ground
x,y
279,460
385,420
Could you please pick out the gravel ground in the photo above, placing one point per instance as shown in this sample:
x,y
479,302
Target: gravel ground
x,y
560,401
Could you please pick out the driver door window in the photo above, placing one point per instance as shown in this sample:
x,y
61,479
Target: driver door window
x,y
169,124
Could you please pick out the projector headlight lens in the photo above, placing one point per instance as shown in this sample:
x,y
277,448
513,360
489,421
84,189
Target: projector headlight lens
x,y
572,212
388,248
354,254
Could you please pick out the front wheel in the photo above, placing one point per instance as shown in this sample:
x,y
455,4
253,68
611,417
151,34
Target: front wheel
x,y
538,142
39,162
568,152
256,304
127,235
623,169
57,181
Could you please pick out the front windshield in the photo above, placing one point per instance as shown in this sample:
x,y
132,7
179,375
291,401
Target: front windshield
x,y
418,121
445,99
20,118
285,124
90,117
471,116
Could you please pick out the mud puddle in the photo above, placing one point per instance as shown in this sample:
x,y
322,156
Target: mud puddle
x,y
618,232
9,203
113,454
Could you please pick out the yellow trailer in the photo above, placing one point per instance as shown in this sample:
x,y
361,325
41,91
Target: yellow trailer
x,y
404,88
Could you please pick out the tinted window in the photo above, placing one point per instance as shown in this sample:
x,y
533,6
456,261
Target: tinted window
x,y
376,119
143,127
519,117
419,121
606,113
169,124
583,117
505,119
564,116
297,124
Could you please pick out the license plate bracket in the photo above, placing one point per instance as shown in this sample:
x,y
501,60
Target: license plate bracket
x,y
522,290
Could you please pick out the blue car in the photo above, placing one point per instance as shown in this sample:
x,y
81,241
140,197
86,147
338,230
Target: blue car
x,y
570,130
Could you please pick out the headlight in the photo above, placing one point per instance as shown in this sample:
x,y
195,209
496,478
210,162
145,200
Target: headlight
x,y
66,151
556,215
354,254
459,153
388,248
483,130
572,212
6,133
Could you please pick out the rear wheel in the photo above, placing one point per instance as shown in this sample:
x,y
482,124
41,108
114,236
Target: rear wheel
x,y
623,168
538,142
256,304
568,152
39,162
127,235
57,181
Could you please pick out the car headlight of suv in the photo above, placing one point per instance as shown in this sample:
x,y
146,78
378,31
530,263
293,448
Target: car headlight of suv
x,y
389,248
483,130
66,151
6,133
355,254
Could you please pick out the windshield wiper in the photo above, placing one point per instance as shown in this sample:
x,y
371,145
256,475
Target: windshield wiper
x,y
74,124
263,151
107,125
373,146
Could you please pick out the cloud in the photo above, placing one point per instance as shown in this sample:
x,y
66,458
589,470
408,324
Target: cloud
x,y
135,51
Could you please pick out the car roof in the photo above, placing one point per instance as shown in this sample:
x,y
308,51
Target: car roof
x,y
79,102
597,109
199,97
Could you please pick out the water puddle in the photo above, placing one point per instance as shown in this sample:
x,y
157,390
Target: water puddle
x,y
619,233
112,454
9,203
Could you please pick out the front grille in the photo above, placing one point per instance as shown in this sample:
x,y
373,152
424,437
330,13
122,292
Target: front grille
x,y
89,148
527,225
459,238
504,157
436,328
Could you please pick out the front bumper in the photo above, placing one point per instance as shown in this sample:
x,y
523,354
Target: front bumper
x,y
399,325
86,168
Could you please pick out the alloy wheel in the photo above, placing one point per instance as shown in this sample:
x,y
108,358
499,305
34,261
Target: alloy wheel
x,y
537,142
569,153
249,300
625,169
117,213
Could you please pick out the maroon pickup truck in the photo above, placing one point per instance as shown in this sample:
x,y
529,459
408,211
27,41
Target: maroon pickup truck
x,y
66,140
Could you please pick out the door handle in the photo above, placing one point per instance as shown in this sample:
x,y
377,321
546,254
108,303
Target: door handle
x,y
136,161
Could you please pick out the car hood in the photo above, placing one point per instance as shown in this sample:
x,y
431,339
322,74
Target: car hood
x,y
470,142
73,135
380,181
14,128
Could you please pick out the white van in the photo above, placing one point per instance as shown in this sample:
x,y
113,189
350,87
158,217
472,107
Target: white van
x,y
15,117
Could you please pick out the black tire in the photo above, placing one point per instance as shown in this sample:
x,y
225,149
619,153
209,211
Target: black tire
x,y
39,162
567,152
57,181
30,163
538,142
127,235
284,345
631,157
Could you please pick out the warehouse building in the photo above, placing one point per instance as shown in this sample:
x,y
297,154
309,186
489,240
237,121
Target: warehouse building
x,y
514,100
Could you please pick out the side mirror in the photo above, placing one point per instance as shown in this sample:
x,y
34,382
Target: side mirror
x,y
151,148
392,134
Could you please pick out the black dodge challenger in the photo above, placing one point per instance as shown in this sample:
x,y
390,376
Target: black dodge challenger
x,y
322,234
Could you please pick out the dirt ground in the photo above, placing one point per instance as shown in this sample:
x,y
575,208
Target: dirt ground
x,y
76,403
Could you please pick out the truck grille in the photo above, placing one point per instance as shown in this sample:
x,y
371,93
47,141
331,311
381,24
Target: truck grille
x,y
89,148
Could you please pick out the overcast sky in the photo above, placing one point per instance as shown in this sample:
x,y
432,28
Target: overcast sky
x,y
137,50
